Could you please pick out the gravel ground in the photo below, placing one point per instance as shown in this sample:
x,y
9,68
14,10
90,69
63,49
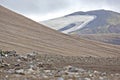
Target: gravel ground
x,y
34,66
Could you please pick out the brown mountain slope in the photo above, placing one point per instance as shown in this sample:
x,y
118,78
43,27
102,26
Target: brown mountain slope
x,y
24,35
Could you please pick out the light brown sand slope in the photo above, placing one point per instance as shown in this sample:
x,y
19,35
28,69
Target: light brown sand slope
x,y
24,35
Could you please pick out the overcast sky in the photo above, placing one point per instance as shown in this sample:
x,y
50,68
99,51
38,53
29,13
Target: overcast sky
x,y
40,10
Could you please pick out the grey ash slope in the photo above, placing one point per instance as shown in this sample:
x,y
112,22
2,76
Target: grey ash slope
x,y
24,35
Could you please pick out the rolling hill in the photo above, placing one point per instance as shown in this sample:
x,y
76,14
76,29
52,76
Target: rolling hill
x,y
24,35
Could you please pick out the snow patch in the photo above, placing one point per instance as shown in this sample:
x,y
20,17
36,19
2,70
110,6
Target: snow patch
x,y
60,23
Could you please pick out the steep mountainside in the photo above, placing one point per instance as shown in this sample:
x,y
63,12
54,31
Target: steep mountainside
x,y
24,35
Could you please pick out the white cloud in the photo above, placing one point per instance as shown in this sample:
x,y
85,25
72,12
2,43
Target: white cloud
x,y
47,9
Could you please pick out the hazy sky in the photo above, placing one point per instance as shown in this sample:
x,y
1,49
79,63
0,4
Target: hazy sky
x,y
47,9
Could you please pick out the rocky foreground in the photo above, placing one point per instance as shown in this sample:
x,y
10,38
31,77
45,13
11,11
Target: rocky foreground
x,y
34,66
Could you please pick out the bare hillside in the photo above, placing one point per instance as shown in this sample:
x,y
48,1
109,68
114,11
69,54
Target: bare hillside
x,y
24,35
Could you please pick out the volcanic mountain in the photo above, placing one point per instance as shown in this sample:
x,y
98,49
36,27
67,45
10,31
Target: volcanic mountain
x,y
91,22
24,35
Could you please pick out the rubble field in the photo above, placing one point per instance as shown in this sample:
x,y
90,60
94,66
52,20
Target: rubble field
x,y
35,66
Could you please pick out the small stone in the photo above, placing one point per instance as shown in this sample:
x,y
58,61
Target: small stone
x,y
60,78
18,60
11,71
47,71
81,70
71,69
6,76
30,71
101,78
20,71
87,79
